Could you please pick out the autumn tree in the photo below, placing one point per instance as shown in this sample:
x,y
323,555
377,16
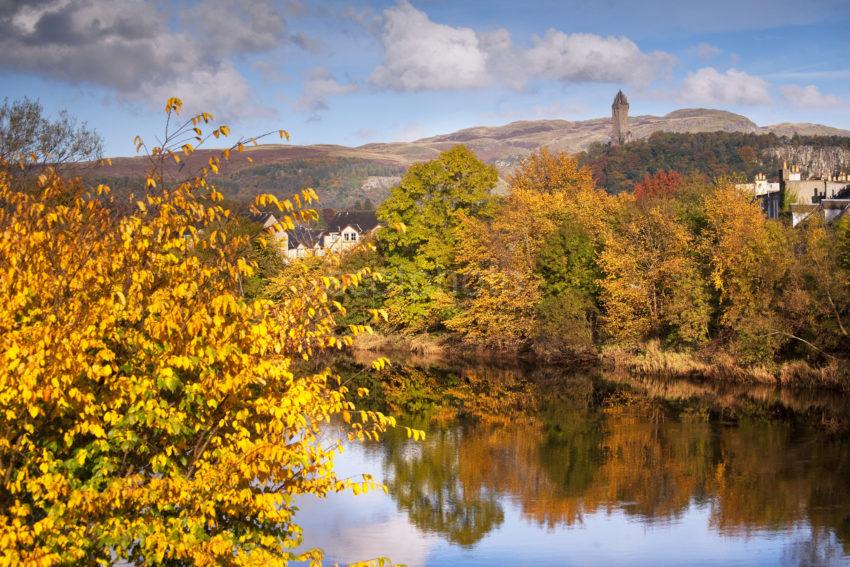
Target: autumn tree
x,y
501,258
652,286
663,184
150,412
748,258
501,294
816,301
420,258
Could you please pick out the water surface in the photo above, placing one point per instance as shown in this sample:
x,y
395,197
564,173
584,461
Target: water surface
x,y
575,470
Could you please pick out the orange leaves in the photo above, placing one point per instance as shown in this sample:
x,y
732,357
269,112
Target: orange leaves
x,y
174,105
221,131
204,117
663,184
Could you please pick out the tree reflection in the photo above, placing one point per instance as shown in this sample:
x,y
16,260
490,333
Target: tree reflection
x,y
426,482
589,447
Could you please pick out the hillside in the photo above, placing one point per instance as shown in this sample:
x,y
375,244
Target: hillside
x,y
344,175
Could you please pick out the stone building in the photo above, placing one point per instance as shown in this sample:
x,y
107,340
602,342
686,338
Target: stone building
x,y
344,230
620,133
803,194
767,193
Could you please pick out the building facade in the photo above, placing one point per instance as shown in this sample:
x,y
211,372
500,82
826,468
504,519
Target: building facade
x,y
802,194
344,231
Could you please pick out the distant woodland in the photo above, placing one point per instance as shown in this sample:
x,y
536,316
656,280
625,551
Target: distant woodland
x,y
713,154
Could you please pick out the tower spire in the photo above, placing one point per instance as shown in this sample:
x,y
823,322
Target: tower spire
x,y
620,133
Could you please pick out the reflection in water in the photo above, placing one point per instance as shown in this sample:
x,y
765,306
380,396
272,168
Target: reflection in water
x,y
662,455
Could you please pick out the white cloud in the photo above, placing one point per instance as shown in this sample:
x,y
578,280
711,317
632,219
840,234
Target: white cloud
x,y
423,55
810,97
584,57
706,51
319,86
710,86
131,47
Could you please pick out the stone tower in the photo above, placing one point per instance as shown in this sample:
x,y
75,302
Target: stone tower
x,y
620,133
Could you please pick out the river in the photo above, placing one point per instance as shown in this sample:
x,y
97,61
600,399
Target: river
x,y
550,467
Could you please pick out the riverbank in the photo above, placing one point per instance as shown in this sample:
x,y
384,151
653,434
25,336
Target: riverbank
x,y
650,360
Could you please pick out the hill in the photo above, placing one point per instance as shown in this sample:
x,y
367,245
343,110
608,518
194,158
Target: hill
x,y
345,175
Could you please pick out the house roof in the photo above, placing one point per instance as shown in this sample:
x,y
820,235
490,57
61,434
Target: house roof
x,y
309,237
362,221
260,217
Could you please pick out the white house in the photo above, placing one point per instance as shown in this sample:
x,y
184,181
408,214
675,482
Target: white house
x,y
347,228
344,231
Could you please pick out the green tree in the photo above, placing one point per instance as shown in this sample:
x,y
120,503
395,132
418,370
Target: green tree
x,y
567,264
420,257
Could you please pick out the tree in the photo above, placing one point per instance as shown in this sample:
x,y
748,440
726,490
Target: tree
x,y
501,260
29,138
149,411
499,309
748,259
663,184
816,301
652,288
567,263
547,172
420,258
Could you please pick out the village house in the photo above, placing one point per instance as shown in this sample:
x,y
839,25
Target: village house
x,y
344,230
767,193
826,195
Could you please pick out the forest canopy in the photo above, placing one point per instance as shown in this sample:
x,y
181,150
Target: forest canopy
x,y
618,168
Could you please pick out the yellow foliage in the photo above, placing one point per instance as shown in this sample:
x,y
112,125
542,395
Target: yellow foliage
x,y
148,411
498,259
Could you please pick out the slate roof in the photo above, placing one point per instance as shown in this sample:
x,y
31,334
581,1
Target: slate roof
x,y
307,236
363,221
260,218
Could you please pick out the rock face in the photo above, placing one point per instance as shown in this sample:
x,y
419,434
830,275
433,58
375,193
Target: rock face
x,y
822,162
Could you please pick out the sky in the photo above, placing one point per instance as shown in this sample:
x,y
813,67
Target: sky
x,y
355,72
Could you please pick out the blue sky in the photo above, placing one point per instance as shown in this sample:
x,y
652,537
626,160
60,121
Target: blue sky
x,y
349,72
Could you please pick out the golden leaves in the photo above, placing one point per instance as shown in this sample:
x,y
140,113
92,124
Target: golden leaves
x,y
140,390
174,105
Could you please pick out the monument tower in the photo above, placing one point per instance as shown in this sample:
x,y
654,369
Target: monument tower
x,y
620,133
